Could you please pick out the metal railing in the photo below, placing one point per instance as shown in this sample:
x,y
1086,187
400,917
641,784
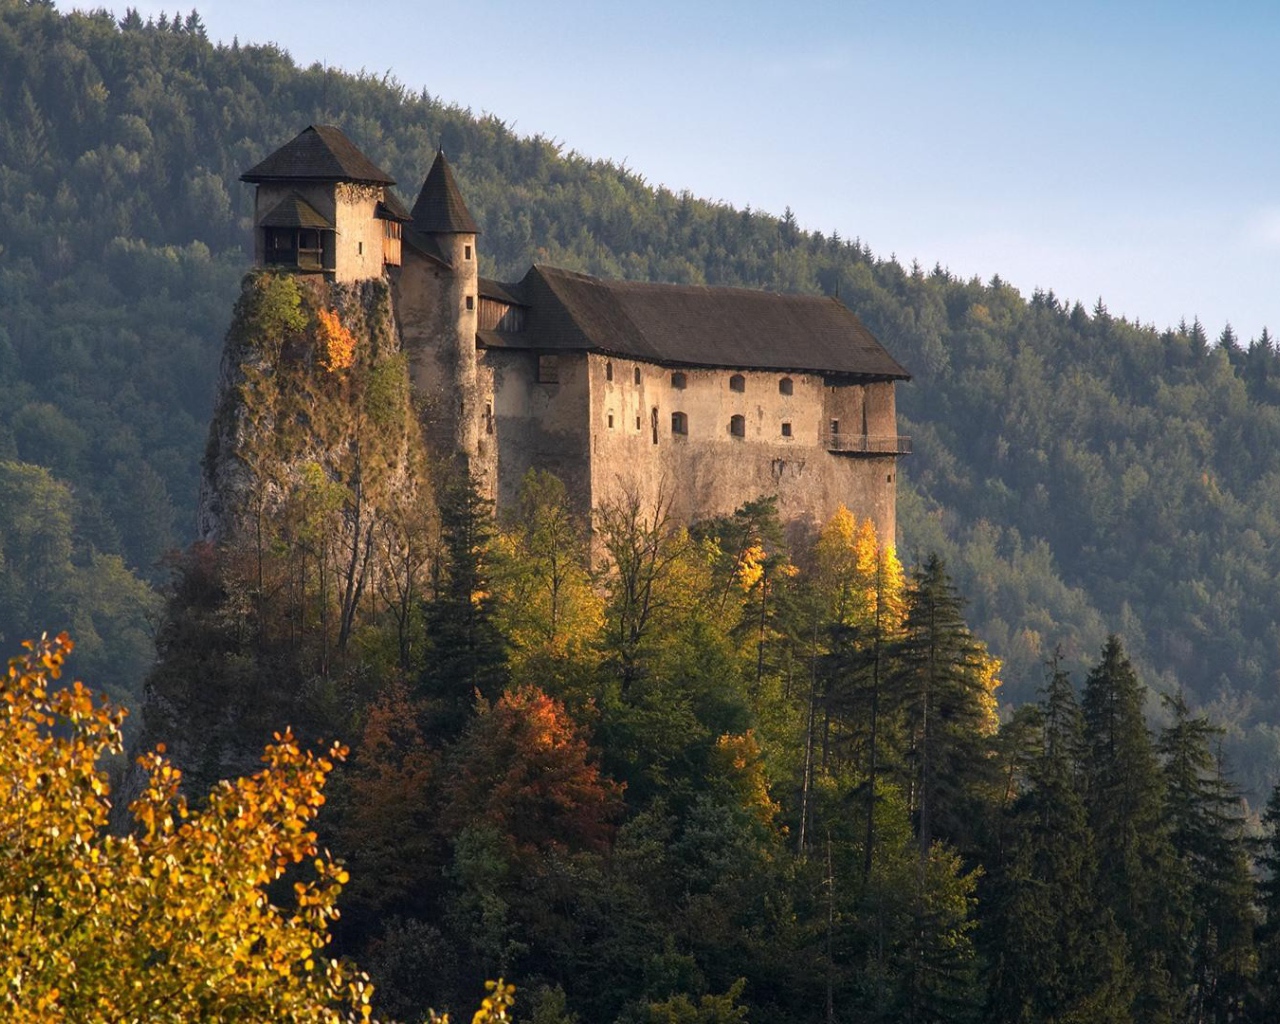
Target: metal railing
x,y
867,444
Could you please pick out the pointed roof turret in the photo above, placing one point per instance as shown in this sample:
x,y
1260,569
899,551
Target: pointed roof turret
x,y
440,209
320,153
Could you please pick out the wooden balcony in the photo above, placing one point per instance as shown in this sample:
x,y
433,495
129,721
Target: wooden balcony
x,y
867,444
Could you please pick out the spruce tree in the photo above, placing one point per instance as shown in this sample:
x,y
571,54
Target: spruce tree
x,y
1205,816
1056,953
467,652
943,677
1140,877
1266,1004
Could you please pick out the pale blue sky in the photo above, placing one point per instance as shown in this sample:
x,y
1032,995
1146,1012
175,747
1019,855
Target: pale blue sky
x,y
1123,150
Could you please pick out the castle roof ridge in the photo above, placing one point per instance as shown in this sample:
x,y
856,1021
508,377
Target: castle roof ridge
x,y
320,152
697,325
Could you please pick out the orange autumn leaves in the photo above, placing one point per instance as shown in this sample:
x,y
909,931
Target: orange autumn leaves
x,y
335,344
172,922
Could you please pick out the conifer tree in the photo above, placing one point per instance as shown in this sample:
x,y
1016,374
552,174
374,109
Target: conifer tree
x,y
1204,812
1266,1003
945,679
467,653
1056,952
1139,876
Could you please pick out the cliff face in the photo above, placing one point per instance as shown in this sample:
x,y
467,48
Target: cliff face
x,y
316,520
313,416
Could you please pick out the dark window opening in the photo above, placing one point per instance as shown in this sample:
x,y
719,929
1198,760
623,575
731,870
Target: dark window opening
x,y
359,248
637,421
471,302
678,380
889,479
785,387
294,247
488,419
608,370
548,370
466,249
679,423
610,421
835,426
654,420
786,430
738,426
737,382
637,375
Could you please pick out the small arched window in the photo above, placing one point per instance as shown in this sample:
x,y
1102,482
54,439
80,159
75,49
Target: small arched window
x,y
608,370
738,426
785,387
637,375
678,381
737,382
679,423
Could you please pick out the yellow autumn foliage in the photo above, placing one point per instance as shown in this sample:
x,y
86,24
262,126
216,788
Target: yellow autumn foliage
x,y
173,922
860,580
337,345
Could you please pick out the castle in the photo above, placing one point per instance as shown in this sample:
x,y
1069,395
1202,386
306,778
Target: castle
x,y
702,398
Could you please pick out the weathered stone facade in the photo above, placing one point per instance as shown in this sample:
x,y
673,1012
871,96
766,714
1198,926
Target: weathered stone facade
x,y
701,399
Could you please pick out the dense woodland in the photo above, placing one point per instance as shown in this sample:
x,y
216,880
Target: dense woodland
x,y
722,780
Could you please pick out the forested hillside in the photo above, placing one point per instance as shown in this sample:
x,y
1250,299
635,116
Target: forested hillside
x,y
1080,473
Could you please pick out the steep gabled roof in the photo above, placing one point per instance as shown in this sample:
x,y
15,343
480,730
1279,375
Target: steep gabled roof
x,y
294,212
440,208
695,326
320,153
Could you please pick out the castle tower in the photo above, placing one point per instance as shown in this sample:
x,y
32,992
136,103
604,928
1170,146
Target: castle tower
x,y
323,207
438,300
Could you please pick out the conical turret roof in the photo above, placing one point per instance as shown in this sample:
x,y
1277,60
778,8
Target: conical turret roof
x,y
320,153
440,208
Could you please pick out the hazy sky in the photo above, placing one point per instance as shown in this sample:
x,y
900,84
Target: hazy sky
x,y
1123,150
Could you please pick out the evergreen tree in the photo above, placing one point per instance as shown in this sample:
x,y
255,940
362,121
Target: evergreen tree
x,y
1140,876
1266,1003
1204,812
1056,952
467,653
945,680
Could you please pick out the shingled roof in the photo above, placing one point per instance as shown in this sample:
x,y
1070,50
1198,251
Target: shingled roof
x,y
320,153
687,325
294,212
440,208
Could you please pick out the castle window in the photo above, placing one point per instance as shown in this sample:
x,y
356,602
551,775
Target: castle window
x,y
737,382
786,430
679,423
637,421
835,426
608,370
488,418
471,302
467,252
548,369
359,248
678,381
610,421
738,426
654,422
637,375
785,386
